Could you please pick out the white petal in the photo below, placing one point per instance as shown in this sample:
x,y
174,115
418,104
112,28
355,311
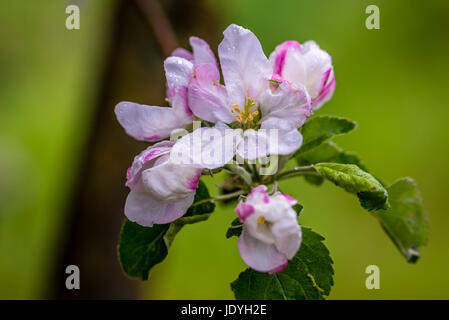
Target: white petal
x,y
245,67
145,159
207,147
295,68
170,182
290,104
182,53
201,51
281,141
258,255
277,57
146,210
287,234
313,68
207,97
317,62
258,195
177,71
148,123
254,144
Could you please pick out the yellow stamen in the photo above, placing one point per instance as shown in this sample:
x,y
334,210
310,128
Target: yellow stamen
x,y
261,220
245,116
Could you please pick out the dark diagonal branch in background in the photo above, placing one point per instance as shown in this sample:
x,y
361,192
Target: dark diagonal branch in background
x,y
160,24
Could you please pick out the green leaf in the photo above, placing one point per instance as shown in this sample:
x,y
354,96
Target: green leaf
x,y
315,180
321,128
308,276
405,221
275,81
235,229
141,248
298,208
371,193
327,152
202,203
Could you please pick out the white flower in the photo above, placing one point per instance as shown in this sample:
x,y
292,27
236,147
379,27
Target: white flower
x,y
257,108
153,123
271,234
305,65
161,191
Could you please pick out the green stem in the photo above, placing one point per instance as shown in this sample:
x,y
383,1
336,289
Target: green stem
x,y
193,219
297,171
230,195
177,225
256,172
220,197
172,232
274,189
241,172
209,172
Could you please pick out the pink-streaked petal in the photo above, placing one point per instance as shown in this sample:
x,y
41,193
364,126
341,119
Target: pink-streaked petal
x,y
149,123
288,103
147,210
207,97
207,147
325,79
258,194
277,58
182,53
170,182
244,210
258,255
142,160
202,52
325,95
310,67
246,69
292,201
193,181
259,189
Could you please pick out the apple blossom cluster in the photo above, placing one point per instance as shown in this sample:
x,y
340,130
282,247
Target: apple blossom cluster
x,y
253,114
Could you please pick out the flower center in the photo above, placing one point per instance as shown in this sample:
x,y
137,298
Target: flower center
x,y
261,220
247,117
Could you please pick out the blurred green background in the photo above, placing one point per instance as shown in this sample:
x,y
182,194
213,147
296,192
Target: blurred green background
x,y
392,81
